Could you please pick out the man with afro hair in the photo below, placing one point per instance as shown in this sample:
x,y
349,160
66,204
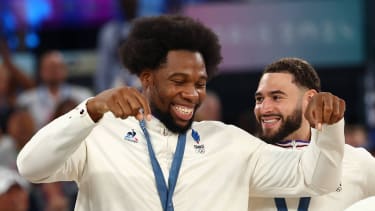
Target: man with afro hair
x,y
141,150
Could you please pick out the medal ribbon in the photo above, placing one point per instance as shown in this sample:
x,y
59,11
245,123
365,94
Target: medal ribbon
x,y
165,194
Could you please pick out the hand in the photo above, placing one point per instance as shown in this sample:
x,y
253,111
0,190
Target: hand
x,y
122,102
324,108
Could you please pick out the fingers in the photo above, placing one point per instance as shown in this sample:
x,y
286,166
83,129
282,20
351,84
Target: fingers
x,y
128,101
329,107
324,108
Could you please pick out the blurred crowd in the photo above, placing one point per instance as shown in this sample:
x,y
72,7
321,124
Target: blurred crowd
x,y
27,104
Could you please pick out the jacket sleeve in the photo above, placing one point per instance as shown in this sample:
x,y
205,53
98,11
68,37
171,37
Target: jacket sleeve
x,y
57,151
316,170
368,166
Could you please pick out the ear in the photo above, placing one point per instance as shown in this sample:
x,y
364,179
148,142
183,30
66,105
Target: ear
x,y
308,96
146,78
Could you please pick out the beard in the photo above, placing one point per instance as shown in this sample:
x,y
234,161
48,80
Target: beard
x,y
288,126
167,119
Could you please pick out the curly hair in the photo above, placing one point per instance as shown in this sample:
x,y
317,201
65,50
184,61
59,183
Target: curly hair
x,y
151,38
304,74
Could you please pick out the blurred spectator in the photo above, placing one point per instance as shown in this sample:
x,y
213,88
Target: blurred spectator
x,y
67,189
210,108
12,80
55,200
42,100
13,191
21,128
246,120
63,107
110,72
6,100
356,135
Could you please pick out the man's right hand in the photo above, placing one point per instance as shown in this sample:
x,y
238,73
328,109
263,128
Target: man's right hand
x,y
324,108
122,102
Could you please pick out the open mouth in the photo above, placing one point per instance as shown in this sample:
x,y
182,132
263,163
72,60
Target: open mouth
x,y
270,121
183,112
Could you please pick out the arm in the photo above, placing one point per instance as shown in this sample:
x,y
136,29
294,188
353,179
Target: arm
x,y
315,170
17,77
57,151
368,162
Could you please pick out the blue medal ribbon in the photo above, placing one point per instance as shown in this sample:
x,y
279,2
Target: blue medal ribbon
x,y
165,194
303,204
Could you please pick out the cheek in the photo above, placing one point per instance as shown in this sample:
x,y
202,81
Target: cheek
x,y
160,95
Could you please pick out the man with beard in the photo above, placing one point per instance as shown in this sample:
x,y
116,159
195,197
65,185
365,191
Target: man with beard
x,y
284,91
131,150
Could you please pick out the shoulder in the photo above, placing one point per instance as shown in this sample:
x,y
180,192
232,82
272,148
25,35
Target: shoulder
x,y
359,155
80,92
358,152
80,88
217,126
28,95
225,130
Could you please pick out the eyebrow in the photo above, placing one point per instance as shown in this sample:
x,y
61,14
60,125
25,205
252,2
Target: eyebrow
x,y
271,92
204,77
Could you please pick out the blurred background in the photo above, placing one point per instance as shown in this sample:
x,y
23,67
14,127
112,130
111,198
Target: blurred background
x,y
336,36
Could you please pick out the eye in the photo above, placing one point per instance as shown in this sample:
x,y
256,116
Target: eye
x,y
201,84
178,82
276,97
258,99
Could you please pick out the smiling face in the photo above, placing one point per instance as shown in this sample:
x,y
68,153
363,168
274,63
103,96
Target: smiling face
x,y
176,89
53,70
279,108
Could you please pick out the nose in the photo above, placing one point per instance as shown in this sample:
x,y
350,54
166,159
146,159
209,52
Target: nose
x,y
265,106
191,94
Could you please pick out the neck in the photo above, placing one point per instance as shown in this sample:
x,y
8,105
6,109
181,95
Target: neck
x,y
303,133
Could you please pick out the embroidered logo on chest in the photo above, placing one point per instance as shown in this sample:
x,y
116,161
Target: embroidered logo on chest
x,y
131,136
199,148
339,189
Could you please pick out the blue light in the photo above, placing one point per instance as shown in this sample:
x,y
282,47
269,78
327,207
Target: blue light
x,y
37,11
31,40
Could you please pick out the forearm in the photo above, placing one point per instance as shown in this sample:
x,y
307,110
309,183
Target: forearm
x,y
322,161
313,171
52,146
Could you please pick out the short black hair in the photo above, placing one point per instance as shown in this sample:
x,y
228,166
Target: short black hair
x,y
303,72
151,38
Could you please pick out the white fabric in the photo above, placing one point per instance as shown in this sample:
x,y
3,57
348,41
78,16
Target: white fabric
x,y
42,104
8,152
358,182
113,170
367,204
8,178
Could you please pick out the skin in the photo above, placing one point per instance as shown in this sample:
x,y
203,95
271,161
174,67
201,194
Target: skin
x,y
180,84
278,99
15,199
53,71
176,89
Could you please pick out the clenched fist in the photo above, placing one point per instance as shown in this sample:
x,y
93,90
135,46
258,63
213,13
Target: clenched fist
x,y
122,102
324,108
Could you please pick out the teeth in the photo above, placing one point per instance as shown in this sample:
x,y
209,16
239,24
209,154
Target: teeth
x,y
184,110
270,120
